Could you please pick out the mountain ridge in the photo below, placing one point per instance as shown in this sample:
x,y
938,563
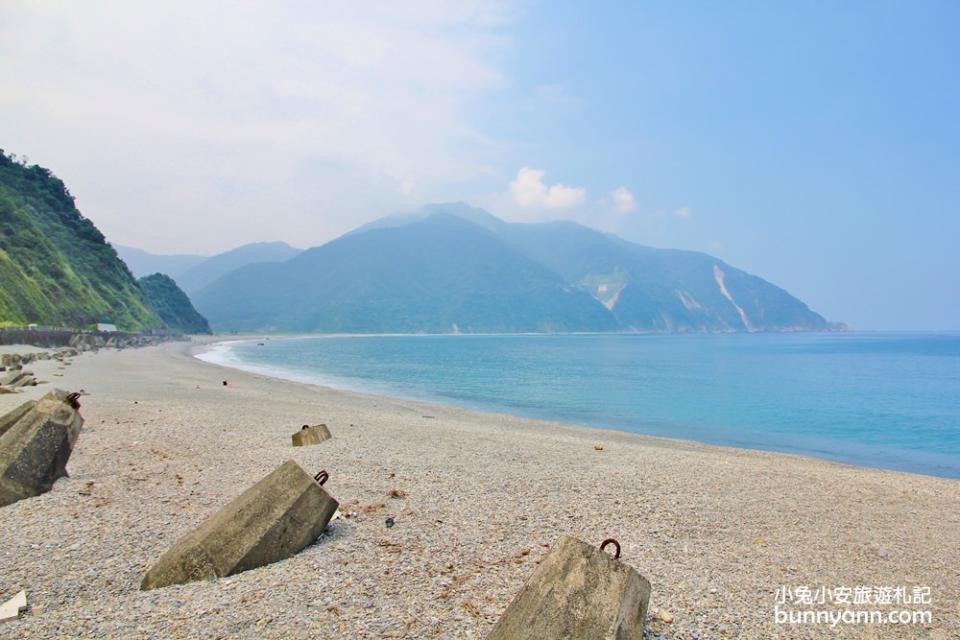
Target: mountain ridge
x,y
143,263
509,277
212,268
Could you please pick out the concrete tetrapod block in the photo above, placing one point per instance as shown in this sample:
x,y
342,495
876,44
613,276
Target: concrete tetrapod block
x,y
13,378
577,592
10,610
35,447
311,435
13,417
272,520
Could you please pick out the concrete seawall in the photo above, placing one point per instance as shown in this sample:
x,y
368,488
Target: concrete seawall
x,y
56,337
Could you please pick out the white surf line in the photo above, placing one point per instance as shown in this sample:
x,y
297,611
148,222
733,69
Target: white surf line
x,y
720,277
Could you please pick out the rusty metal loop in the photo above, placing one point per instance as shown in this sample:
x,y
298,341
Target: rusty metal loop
x,y
74,400
322,477
603,545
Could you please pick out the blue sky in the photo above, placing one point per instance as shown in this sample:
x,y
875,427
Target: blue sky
x,y
814,144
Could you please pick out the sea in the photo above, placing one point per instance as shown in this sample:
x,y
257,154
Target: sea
x,y
888,400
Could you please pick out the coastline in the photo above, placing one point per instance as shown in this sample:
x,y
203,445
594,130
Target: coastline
x,y
716,529
731,426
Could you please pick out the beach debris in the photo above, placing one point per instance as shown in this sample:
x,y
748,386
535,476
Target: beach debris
x,y
578,592
389,522
224,383
391,547
274,519
36,440
664,616
309,435
598,447
397,493
883,552
10,610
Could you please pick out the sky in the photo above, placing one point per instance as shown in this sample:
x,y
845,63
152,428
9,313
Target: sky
x,y
815,144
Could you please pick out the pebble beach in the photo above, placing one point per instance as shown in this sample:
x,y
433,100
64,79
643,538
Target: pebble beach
x,y
474,501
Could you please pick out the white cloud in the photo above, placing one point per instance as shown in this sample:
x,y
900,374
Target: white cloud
x,y
623,200
529,191
194,126
683,213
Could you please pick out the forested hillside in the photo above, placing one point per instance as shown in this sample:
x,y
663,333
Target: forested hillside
x,y
55,266
172,304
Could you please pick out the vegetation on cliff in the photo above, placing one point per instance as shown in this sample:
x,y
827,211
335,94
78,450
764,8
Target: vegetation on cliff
x,y
56,268
172,304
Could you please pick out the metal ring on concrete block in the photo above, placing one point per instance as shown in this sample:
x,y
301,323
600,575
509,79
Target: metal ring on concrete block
x,y
323,476
603,545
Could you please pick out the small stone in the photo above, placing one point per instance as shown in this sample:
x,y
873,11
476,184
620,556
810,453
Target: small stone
x,y
883,553
389,522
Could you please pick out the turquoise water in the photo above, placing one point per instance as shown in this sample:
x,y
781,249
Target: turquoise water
x,y
888,400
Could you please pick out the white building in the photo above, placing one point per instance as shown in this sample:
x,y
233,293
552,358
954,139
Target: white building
x,y
103,326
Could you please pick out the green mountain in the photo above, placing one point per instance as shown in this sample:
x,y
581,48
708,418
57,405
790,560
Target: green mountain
x,y
55,266
456,268
209,269
437,275
142,263
172,304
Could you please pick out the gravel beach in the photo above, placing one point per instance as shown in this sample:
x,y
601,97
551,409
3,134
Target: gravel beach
x,y
476,499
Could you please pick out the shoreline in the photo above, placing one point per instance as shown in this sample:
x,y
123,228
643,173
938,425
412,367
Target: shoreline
x,y
211,343
716,530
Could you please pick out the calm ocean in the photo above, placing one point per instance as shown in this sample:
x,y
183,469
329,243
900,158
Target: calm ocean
x,y
888,400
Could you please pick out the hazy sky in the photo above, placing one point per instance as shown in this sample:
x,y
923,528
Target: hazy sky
x,y
814,144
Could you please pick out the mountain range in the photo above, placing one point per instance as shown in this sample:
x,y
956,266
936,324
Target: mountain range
x,y
444,268
455,268
193,272
142,263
